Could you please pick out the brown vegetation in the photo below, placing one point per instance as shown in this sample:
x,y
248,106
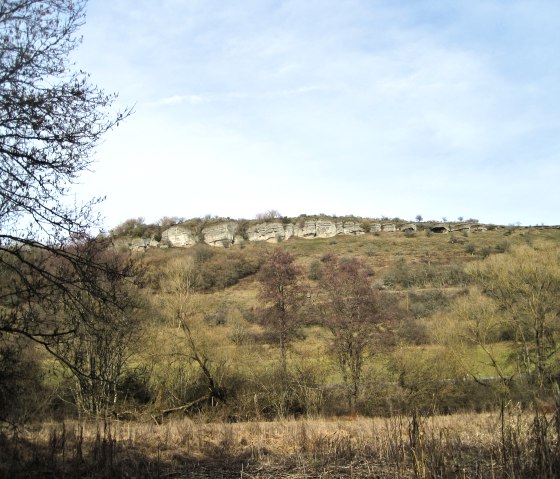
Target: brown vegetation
x,y
463,445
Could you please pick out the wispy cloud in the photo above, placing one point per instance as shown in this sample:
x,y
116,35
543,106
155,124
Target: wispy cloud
x,y
199,99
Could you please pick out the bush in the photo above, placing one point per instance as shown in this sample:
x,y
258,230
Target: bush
x,y
503,246
365,226
315,270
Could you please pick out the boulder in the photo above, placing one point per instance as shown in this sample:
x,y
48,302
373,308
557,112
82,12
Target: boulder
x,y
408,228
325,228
152,243
391,227
375,227
178,237
272,232
305,229
221,234
315,229
349,228
440,228
461,227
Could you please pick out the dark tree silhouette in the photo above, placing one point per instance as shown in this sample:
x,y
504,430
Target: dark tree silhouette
x,y
51,119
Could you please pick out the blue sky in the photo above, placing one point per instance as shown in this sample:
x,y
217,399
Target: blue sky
x,y
364,107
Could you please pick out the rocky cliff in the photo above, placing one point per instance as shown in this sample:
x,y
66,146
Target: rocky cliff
x,y
228,232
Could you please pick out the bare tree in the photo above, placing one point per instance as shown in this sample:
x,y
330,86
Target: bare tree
x,y
268,215
353,313
279,280
99,350
51,119
182,309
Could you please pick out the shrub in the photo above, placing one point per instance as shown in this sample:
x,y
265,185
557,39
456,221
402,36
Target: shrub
x,y
503,246
365,226
315,270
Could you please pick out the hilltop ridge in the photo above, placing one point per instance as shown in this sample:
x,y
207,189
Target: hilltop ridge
x,y
225,232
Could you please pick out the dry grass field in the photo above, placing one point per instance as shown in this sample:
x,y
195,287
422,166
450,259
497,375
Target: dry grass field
x,y
461,445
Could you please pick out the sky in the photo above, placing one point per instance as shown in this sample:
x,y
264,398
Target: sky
x,y
343,107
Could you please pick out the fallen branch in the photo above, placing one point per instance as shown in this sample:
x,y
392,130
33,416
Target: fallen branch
x,y
184,407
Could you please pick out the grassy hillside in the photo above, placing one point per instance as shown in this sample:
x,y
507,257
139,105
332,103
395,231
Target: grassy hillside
x,y
424,274
199,325
464,324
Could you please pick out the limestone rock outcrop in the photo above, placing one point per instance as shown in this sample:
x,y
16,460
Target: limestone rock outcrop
x,y
178,237
271,232
461,227
325,228
408,228
349,228
227,232
221,234
306,229
440,228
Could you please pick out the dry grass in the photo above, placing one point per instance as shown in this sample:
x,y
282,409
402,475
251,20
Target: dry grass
x,y
466,446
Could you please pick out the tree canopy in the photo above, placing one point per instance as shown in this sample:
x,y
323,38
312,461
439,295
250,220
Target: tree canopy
x,y
51,119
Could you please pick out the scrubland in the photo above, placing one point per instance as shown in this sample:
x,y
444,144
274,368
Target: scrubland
x,y
454,376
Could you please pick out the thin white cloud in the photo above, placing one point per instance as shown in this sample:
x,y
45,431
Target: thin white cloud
x,y
178,99
200,99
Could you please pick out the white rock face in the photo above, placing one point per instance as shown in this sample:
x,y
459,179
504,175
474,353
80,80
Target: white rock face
x,y
227,233
315,229
349,228
409,227
440,228
271,232
461,227
325,229
179,237
221,235
288,231
306,229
